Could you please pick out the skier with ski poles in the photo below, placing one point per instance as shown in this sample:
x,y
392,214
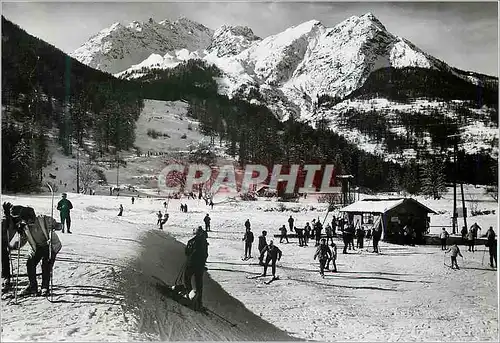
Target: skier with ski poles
x,y
64,206
248,239
196,253
273,254
37,231
324,253
454,252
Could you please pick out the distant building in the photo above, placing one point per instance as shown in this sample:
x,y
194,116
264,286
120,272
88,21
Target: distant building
x,y
392,214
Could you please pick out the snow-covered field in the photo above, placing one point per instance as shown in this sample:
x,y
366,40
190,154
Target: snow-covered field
x,y
405,293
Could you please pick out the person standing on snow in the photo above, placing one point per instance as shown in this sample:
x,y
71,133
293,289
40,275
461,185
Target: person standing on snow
x,y
454,252
290,223
64,206
248,238
443,236
164,220
317,232
360,237
324,253
262,245
196,253
334,226
307,233
329,234
247,224
273,254
472,236
158,222
283,234
207,223
377,234
300,235
133,199
8,233
491,243
334,258
464,235
121,211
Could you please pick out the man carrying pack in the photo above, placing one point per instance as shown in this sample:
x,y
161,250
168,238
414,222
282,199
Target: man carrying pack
x,y
38,232
64,206
197,254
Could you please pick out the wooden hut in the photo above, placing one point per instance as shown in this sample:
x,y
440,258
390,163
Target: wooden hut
x,y
396,216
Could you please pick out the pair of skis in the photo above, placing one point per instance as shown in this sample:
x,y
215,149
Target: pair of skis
x,y
274,278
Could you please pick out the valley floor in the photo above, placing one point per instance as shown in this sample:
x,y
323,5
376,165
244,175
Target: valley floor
x,y
403,294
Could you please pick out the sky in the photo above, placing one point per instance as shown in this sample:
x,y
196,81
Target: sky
x,y
463,34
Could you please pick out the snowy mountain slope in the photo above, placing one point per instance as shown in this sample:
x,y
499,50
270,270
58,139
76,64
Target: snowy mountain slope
x,y
105,290
116,48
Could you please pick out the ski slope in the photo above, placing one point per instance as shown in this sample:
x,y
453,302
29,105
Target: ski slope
x,y
105,290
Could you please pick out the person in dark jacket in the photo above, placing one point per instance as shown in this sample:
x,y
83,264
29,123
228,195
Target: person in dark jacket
x,y
248,239
290,223
325,254
247,224
360,237
196,254
491,243
300,235
273,254
120,213
317,232
262,245
307,233
283,234
376,234
207,223
329,234
64,206
334,226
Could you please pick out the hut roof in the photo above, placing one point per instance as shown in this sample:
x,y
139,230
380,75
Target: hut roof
x,y
380,205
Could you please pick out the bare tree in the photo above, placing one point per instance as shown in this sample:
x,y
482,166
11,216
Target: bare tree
x,y
87,176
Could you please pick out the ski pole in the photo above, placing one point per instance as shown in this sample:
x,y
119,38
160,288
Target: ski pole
x,y
51,264
17,276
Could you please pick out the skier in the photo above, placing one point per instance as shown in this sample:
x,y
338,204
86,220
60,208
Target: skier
x,y
283,234
454,252
324,253
329,233
262,245
37,234
273,254
464,235
186,208
247,224
182,207
473,235
317,232
133,199
197,253
121,211
491,243
443,236
360,237
64,206
300,235
334,226
248,238
158,222
207,223
165,204
290,223
307,233
377,234
211,204
334,258
164,220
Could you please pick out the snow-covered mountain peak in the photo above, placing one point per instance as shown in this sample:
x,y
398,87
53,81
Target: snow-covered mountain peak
x,y
231,40
118,47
